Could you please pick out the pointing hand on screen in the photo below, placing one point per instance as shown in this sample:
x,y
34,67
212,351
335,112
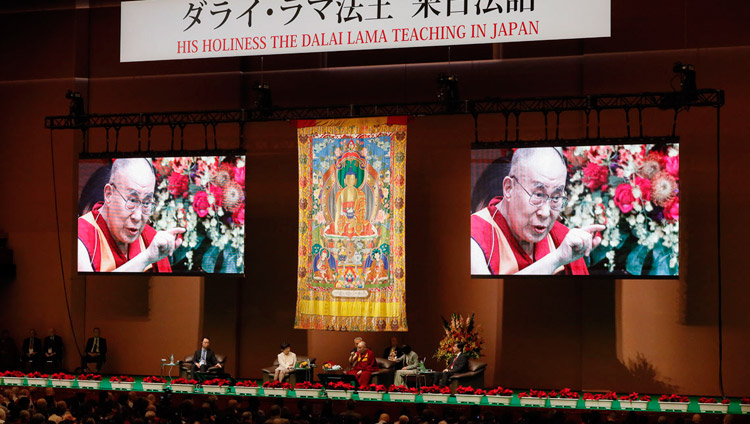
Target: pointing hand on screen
x,y
164,244
579,242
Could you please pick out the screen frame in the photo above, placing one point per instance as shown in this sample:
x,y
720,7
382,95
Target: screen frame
x,y
604,141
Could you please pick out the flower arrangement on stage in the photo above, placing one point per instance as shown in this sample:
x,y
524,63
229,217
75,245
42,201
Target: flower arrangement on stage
x,y
154,379
600,396
275,384
62,376
533,394
14,374
206,195
565,393
459,329
339,385
183,380
633,190
461,390
674,398
745,401
499,391
635,397
436,389
216,382
402,389
376,388
247,383
36,374
330,366
121,379
90,377
308,385
712,400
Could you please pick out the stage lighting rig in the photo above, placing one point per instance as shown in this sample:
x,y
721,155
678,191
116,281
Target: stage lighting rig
x,y
75,109
448,90
688,91
262,96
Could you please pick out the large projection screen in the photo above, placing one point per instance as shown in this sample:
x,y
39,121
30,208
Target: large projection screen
x,y
575,210
182,215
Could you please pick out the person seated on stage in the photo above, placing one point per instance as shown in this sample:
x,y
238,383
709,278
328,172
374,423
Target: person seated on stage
x,y
115,235
8,352
353,352
287,359
393,352
364,365
31,352
459,365
53,350
519,232
96,351
204,358
410,361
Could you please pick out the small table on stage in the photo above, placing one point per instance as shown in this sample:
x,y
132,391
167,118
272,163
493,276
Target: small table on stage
x,y
420,377
171,366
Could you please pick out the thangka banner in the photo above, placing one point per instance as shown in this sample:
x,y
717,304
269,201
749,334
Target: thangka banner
x,y
185,29
352,179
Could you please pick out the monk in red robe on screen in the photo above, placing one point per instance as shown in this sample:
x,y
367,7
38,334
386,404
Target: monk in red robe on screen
x,y
518,232
364,365
115,236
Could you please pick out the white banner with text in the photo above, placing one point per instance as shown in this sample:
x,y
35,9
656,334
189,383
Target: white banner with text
x,y
187,29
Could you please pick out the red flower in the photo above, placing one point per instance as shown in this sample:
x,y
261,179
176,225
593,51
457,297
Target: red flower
x,y
238,216
239,176
247,383
672,209
624,197
645,186
672,166
594,176
178,185
217,193
154,379
200,203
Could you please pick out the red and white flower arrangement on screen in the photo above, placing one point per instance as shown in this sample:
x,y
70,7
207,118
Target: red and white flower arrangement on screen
x,y
206,195
633,190
459,329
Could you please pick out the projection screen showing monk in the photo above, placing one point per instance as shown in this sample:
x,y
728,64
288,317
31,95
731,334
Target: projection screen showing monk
x,y
575,210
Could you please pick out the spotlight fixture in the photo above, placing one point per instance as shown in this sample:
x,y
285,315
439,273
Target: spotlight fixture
x,y
76,103
688,91
262,96
448,90
687,77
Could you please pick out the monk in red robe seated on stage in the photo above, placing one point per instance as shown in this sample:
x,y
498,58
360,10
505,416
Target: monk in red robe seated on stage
x,y
518,232
364,365
115,236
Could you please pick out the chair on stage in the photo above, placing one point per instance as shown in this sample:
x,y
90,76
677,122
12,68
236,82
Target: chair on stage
x,y
472,378
186,367
294,377
386,372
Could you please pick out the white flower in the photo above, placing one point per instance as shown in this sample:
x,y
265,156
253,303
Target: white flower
x,y
649,207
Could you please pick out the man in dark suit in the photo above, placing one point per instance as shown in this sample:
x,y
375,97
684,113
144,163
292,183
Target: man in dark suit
x,y
31,352
204,358
459,365
53,350
96,351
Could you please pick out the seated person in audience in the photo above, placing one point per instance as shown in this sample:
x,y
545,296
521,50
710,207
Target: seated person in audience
x,y
459,365
31,352
287,359
53,351
393,352
204,358
364,365
410,361
8,352
96,351
353,352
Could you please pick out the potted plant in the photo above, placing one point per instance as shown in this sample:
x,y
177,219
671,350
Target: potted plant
x,y
435,393
247,387
330,366
122,382
36,379
499,396
713,405
307,389
339,390
533,398
565,398
89,381
216,386
745,405
372,392
469,395
62,380
634,401
183,385
12,378
276,388
153,384
599,400
402,393
674,402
